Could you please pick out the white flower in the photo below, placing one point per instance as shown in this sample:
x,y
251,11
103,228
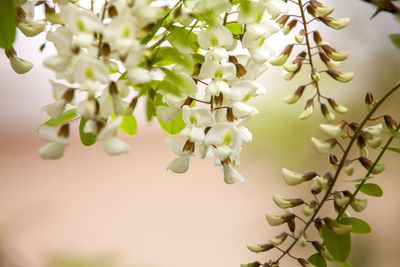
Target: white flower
x,y
113,145
55,148
224,134
62,40
180,164
230,175
196,120
91,70
217,36
20,65
121,33
276,7
82,23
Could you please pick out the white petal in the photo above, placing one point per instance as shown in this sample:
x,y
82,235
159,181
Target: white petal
x,y
115,146
167,114
230,175
52,151
50,134
175,145
180,164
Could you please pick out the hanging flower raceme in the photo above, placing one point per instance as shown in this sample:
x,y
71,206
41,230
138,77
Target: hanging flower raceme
x,y
182,59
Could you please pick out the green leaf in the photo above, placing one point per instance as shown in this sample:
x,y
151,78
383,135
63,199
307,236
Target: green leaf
x,y
129,125
338,245
173,127
392,134
395,38
234,28
357,180
371,189
359,226
317,259
183,39
87,139
150,109
7,23
394,149
176,83
343,264
66,116
165,56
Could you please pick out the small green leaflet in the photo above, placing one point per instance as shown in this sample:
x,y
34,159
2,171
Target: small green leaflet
x,y
7,23
87,139
371,189
317,259
129,125
395,38
150,109
394,149
359,226
343,264
165,56
173,127
234,28
338,245
183,40
66,116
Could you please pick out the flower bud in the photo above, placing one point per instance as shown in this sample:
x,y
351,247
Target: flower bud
x,y
321,249
285,203
391,124
323,147
282,20
330,63
299,37
336,24
279,239
305,263
349,168
308,211
320,9
340,199
329,116
20,65
331,130
30,29
291,224
374,130
380,167
369,101
295,96
260,247
318,223
303,239
315,74
282,58
292,178
336,107
274,220
317,37
308,110
359,204
343,77
251,264
340,229
333,161
311,11
52,16
334,54
374,142
294,66
288,27
316,187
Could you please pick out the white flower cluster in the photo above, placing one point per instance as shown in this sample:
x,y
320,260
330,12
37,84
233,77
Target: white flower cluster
x,y
88,46
107,59
217,129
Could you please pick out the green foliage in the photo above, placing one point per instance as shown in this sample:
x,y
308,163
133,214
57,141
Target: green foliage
x,y
317,259
371,189
183,39
173,127
394,149
175,83
358,226
87,139
395,38
234,28
150,109
129,125
7,23
343,264
64,117
338,245
165,56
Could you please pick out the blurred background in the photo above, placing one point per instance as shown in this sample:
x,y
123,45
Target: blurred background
x,y
90,209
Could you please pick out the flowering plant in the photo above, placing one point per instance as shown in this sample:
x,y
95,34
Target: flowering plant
x,y
195,63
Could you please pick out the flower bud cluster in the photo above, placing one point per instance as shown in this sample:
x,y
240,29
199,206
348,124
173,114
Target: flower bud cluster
x,y
312,11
